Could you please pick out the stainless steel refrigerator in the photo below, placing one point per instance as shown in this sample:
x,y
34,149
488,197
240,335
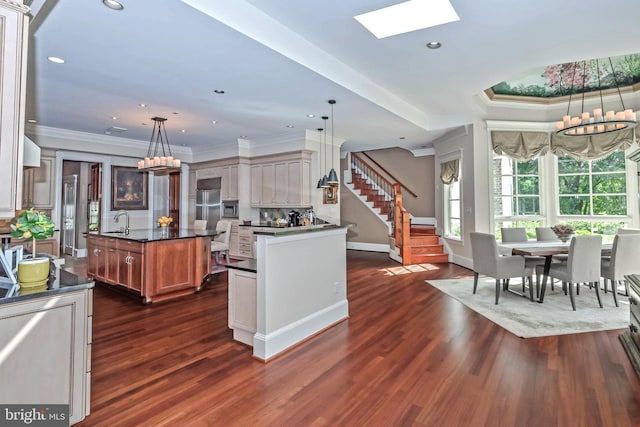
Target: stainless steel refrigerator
x,y
208,201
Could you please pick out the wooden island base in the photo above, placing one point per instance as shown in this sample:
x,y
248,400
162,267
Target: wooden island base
x,y
154,267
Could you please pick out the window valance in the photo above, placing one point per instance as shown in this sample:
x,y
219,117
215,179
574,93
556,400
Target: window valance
x,y
521,146
591,147
449,171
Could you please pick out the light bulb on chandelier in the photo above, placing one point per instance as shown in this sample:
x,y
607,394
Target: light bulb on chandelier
x,y
596,123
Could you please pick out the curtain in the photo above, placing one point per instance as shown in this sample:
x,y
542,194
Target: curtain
x,y
591,147
521,146
449,171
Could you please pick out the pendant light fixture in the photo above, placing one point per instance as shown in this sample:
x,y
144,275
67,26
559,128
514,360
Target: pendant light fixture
x,y
324,182
320,155
333,176
159,158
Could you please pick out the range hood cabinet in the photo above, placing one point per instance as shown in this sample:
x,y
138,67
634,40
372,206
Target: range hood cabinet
x,y
31,154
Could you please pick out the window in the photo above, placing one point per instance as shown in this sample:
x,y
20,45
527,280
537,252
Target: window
x,y
591,192
453,210
516,194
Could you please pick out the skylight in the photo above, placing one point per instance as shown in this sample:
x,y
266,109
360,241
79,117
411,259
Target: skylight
x,y
408,16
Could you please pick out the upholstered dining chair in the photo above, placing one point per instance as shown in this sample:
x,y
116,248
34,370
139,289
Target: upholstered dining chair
x,y
200,224
623,261
582,266
546,234
517,235
628,231
487,261
221,241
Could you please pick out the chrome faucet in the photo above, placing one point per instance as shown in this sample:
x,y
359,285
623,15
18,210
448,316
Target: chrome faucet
x,y
125,230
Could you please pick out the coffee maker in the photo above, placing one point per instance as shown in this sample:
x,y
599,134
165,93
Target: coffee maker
x,y
294,218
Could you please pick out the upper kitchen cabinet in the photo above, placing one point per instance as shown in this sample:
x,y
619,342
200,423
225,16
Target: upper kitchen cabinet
x,y
13,49
282,183
37,185
229,182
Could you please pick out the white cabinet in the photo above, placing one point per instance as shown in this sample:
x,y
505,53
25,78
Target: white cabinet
x,y
50,357
242,305
13,56
230,182
281,184
234,247
37,186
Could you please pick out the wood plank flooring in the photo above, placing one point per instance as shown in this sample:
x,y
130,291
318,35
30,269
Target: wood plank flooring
x,y
407,356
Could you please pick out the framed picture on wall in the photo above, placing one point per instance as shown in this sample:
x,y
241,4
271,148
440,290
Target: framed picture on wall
x,y
130,189
330,196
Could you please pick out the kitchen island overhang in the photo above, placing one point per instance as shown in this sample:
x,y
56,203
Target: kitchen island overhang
x,y
300,287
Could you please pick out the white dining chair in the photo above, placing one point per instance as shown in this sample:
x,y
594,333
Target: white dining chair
x,y
582,266
628,231
200,224
623,261
546,234
531,263
488,261
221,241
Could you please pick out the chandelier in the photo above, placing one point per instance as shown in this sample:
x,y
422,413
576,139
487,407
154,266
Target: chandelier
x,y
594,123
159,158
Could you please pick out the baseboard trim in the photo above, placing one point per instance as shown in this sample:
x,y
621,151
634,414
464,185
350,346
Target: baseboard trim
x,y
267,346
371,247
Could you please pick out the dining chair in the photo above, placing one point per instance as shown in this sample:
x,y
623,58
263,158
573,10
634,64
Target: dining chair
x,y
546,234
488,261
623,261
200,224
518,235
582,266
221,241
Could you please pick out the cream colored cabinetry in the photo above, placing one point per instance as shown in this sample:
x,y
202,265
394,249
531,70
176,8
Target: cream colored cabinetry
x,y
234,242
281,183
51,362
37,186
191,195
229,189
245,242
13,55
242,305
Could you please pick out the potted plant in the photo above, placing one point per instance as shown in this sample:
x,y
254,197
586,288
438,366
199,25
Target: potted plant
x,y
33,274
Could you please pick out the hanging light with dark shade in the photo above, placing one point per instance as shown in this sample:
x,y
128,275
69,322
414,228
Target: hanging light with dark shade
x,y
333,176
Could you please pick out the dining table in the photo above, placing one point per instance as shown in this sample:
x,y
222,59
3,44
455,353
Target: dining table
x,y
543,249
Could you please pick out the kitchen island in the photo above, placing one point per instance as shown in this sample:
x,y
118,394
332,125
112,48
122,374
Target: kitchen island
x,y
294,289
153,264
45,345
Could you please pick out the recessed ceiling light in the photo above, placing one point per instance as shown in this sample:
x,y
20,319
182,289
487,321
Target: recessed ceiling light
x,y
175,112
408,16
402,137
112,4
32,121
56,60
114,118
218,91
142,105
243,136
434,45
311,115
183,130
213,122
290,126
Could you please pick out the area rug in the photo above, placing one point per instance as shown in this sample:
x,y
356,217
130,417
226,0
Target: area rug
x,y
528,319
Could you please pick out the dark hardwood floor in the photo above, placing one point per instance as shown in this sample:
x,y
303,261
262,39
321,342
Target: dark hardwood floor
x,y
407,356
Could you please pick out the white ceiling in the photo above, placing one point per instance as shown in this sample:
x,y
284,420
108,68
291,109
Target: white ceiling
x,y
279,60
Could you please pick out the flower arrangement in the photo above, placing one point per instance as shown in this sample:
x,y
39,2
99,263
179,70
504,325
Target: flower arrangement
x,y
563,229
164,221
34,225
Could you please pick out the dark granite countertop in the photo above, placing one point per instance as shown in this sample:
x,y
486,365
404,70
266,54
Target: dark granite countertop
x,y
250,265
68,282
156,234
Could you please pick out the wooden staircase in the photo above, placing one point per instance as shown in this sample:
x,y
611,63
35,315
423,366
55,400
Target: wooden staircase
x,y
424,246
410,244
